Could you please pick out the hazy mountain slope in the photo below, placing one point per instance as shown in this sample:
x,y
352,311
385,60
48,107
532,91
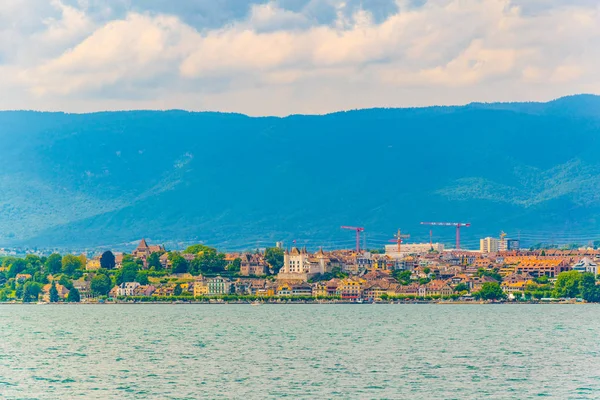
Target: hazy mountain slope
x,y
228,179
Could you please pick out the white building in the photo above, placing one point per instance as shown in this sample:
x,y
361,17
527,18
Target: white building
x,y
489,245
127,288
301,265
412,248
586,265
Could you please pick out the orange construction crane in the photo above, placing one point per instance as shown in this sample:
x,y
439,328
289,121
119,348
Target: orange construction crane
x,y
358,231
398,238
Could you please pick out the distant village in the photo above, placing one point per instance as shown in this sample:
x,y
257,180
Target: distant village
x,y
499,271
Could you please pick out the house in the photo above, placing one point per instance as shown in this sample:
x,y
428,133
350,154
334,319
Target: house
x,y
83,287
584,265
350,289
438,287
285,289
408,290
319,289
62,291
143,251
22,277
253,264
200,287
92,264
127,288
301,290
218,286
164,261
144,290
372,291
114,292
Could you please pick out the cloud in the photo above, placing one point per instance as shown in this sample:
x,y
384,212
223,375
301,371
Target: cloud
x,y
288,56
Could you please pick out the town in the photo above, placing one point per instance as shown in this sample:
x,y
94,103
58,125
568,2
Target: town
x,y
401,272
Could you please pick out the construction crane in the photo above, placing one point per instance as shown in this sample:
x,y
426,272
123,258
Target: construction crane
x,y
398,239
358,231
458,225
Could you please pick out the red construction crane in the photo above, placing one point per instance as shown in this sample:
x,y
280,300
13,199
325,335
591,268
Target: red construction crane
x,y
358,231
456,224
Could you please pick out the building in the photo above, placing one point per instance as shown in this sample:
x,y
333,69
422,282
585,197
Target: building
x,y
586,265
489,245
253,264
83,287
301,265
218,286
412,248
350,289
92,264
513,244
143,251
62,291
127,288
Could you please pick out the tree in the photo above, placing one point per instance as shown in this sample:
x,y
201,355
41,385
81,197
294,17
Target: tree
x,y
73,296
274,257
128,272
154,262
567,284
402,276
179,264
101,285
141,278
18,265
70,264
588,288
235,265
207,263
54,263
107,260
490,291
53,293
461,287
177,290
199,248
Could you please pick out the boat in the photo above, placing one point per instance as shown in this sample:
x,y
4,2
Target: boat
x,y
255,303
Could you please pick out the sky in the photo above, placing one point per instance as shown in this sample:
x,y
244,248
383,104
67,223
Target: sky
x,y
280,57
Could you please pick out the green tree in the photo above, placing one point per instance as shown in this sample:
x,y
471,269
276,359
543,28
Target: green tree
x,y
402,276
588,289
18,266
179,264
73,296
70,264
177,290
101,285
490,291
154,262
199,248
141,278
274,257
481,272
235,265
107,260
461,287
54,263
208,263
567,284
53,293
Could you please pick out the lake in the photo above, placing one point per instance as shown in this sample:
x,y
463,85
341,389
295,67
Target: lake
x,y
299,351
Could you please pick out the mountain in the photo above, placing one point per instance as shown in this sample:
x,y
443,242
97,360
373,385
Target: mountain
x,y
109,178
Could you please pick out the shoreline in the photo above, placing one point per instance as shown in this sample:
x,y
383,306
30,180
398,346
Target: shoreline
x,y
133,303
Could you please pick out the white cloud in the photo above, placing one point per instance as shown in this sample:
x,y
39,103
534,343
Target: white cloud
x,y
279,61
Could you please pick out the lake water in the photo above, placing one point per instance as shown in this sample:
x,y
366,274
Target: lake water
x,y
299,351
